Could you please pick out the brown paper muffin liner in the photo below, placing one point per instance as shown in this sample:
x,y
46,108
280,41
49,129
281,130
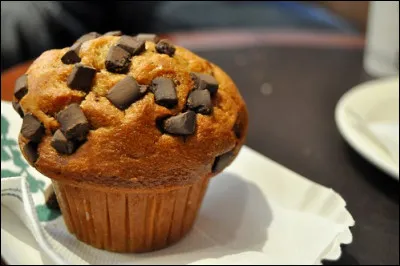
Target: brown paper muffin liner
x,y
129,221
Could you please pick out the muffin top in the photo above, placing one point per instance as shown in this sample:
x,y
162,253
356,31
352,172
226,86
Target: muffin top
x,y
128,112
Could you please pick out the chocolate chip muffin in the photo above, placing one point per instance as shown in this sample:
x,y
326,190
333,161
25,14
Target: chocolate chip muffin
x,y
130,129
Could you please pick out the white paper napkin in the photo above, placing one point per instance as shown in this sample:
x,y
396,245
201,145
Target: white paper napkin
x,y
245,258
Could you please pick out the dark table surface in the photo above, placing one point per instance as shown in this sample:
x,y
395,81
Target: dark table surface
x,y
291,83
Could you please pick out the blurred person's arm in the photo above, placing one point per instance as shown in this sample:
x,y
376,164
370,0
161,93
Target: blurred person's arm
x,y
29,28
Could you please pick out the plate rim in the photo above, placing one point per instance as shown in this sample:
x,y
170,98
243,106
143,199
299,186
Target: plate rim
x,y
350,134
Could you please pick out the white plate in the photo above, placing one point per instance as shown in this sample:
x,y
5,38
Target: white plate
x,y
373,101
255,207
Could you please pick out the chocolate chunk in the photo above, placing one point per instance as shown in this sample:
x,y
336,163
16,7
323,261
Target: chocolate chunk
x,y
62,144
125,92
222,161
131,45
164,92
74,124
21,87
50,198
113,33
17,107
87,37
72,55
164,47
200,101
182,124
32,128
204,82
118,60
31,152
238,127
147,37
81,77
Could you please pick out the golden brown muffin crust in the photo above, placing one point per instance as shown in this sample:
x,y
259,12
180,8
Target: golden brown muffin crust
x,y
125,148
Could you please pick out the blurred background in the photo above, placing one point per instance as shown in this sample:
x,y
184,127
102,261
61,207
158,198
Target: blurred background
x,y
29,28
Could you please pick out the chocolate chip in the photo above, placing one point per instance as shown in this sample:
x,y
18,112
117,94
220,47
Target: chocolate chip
x,y
164,47
31,152
204,82
131,45
50,198
118,60
62,144
87,37
222,161
21,87
17,107
32,128
182,124
74,124
147,37
72,55
164,92
200,101
113,33
238,127
81,77
125,92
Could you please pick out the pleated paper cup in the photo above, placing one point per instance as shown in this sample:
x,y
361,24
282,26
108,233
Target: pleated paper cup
x,y
129,221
